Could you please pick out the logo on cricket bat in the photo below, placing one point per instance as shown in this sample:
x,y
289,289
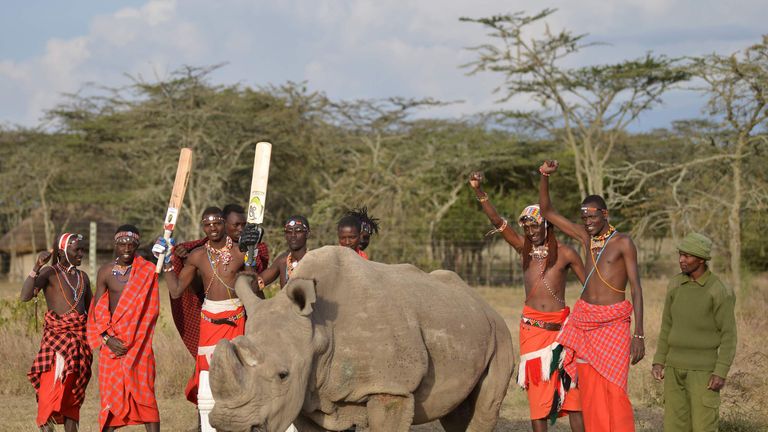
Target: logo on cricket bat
x,y
170,219
256,208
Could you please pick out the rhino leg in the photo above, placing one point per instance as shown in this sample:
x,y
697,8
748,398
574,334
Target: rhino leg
x,y
390,413
480,411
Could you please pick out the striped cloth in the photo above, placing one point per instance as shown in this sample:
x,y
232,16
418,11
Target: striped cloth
x,y
131,378
186,309
600,336
64,334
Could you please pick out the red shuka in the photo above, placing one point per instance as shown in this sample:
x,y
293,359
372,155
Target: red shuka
x,y
64,334
186,309
128,381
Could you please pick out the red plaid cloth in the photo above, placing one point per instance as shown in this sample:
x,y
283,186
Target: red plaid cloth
x,y
131,376
64,334
186,309
600,335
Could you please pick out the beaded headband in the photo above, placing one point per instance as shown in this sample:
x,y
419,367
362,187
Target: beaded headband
x,y
296,223
127,237
212,218
586,209
65,238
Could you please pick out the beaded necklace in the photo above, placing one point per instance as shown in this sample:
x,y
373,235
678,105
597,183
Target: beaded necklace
x,y
290,265
77,290
121,272
540,255
223,255
214,262
598,242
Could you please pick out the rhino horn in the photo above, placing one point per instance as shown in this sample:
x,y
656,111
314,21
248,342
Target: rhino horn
x,y
225,371
245,293
302,294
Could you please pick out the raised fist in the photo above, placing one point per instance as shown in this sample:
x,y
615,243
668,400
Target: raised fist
x,y
43,258
475,179
252,235
548,167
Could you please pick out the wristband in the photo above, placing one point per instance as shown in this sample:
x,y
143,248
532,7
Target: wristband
x,y
105,338
482,198
33,274
543,173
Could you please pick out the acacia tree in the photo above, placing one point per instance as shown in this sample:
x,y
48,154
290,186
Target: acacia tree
x,y
586,108
737,91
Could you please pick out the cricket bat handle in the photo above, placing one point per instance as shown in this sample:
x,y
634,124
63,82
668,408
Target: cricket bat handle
x,y
251,256
161,258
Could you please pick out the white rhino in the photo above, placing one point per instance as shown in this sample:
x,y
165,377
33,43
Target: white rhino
x,y
354,342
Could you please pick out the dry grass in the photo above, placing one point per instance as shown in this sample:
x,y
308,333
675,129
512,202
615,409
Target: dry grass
x,y
744,397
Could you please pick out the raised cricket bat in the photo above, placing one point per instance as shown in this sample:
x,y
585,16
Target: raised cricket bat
x,y
258,198
177,197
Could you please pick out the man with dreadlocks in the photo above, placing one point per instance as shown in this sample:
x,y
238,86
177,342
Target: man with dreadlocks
x,y
545,266
348,229
368,225
597,338
223,314
62,368
121,325
296,235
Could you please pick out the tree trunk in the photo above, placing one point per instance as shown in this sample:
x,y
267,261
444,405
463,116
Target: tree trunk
x,y
734,217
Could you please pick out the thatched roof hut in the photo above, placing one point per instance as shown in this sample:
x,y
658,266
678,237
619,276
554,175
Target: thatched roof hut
x,y
23,242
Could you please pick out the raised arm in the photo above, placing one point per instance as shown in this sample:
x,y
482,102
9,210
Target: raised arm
x,y
512,237
177,284
571,229
637,349
273,271
37,279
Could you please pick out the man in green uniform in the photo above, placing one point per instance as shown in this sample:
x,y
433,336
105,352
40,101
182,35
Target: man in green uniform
x,y
697,341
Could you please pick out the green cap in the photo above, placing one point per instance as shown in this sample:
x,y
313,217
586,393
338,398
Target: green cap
x,y
697,245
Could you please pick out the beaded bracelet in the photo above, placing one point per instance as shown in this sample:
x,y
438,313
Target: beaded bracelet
x,y
543,173
638,336
482,198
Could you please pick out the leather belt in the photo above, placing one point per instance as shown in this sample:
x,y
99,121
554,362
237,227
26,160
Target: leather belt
x,y
226,321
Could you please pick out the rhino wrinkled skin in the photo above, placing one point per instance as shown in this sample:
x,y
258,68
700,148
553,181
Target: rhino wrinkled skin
x,y
350,342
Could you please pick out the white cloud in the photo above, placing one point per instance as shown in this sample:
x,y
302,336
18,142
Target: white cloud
x,y
351,49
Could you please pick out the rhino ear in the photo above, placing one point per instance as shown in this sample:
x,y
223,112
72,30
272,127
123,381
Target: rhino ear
x,y
302,294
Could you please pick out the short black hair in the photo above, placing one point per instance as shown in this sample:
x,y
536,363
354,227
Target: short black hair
x,y
349,221
595,200
232,208
127,227
299,218
212,211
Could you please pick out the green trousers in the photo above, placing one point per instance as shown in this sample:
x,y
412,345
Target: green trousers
x,y
688,405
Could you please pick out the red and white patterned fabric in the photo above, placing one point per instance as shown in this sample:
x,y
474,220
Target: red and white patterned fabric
x,y
128,381
599,335
64,334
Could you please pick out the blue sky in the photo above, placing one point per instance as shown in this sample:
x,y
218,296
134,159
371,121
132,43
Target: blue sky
x,y
348,49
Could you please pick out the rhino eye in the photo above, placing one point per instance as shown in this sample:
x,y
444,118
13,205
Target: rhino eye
x,y
282,375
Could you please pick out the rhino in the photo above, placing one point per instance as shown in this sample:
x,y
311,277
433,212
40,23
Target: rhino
x,y
350,342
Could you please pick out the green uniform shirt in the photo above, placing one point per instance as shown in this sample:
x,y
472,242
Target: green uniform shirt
x,y
698,326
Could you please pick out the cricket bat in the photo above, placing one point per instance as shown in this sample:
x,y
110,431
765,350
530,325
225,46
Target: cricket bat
x,y
177,197
258,198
